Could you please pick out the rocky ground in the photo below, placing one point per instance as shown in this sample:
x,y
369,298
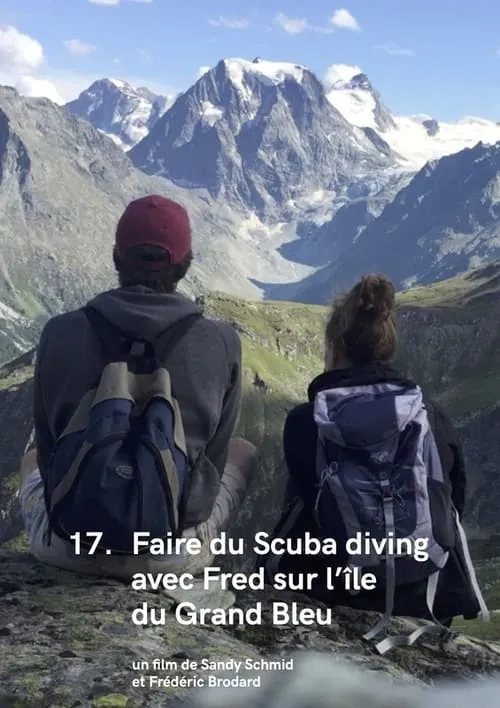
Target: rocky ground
x,y
68,641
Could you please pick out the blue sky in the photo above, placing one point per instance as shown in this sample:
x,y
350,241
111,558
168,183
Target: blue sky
x,y
440,57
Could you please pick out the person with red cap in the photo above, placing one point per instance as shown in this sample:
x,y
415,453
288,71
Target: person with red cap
x,y
152,254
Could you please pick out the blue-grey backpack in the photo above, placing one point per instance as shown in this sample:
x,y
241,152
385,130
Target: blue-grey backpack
x,y
121,465
379,476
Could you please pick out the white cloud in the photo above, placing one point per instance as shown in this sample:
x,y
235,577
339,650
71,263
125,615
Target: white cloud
x,y
19,53
79,48
338,74
23,66
38,88
59,88
342,18
298,25
394,50
230,22
292,25
22,56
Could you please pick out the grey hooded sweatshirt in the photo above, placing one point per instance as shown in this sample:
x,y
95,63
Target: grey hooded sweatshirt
x,y
205,369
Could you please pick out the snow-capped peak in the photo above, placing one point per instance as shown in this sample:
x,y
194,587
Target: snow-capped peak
x,y
260,134
110,86
119,83
272,71
421,117
120,110
340,75
351,92
416,138
360,81
420,139
237,89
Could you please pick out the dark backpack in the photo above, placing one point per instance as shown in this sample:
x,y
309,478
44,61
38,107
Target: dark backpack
x,y
379,476
121,464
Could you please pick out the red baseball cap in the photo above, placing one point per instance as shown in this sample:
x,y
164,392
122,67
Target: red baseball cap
x,y
154,221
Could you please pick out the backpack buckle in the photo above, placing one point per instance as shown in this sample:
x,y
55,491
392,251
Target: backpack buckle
x,y
138,349
380,458
387,490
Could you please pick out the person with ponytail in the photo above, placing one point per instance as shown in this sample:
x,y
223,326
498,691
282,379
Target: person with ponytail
x,y
370,453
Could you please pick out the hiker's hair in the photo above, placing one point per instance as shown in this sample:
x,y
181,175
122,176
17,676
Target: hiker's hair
x,y
361,328
163,279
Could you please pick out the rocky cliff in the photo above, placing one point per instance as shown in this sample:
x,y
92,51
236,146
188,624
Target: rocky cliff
x,y
450,341
122,111
63,187
262,134
444,222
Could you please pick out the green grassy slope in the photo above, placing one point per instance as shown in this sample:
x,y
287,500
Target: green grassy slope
x,y
282,342
478,286
471,299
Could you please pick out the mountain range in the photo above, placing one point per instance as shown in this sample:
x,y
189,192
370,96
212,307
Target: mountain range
x,y
262,136
289,198
63,185
119,110
416,139
445,221
323,175
127,114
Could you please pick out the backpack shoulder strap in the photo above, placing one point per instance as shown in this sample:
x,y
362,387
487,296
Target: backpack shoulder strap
x,y
431,413
170,337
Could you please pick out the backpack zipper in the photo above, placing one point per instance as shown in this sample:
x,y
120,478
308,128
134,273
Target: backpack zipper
x,y
163,475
